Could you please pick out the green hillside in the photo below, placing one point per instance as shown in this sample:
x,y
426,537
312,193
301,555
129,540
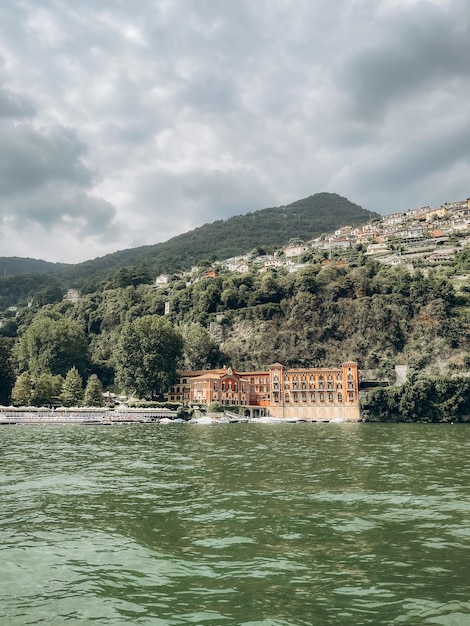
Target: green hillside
x,y
18,266
304,219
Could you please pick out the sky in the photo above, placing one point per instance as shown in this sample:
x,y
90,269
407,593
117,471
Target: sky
x,y
125,123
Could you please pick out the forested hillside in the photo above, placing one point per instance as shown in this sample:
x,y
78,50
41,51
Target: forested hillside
x,y
274,227
323,314
18,266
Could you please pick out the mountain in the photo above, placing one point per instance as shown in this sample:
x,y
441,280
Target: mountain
x,y
305,219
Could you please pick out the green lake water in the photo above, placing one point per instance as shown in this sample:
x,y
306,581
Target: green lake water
x,y
236,525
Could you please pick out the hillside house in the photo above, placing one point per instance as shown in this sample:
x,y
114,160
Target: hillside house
x,y
292,251
393,219
376,248
72,295
162,280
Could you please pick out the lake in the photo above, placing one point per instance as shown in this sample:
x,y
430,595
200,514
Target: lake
x,y
236,525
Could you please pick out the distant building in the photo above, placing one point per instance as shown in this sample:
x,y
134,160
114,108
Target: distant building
x,y
162,280
393,218
376,248
298,249
321,394
72,295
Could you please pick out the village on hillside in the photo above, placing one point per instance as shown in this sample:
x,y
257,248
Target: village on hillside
x,y
418,237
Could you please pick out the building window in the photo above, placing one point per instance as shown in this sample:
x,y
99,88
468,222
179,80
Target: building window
x,y
340,397
330,397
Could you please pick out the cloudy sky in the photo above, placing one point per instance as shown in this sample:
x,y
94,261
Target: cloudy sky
x,y
124,123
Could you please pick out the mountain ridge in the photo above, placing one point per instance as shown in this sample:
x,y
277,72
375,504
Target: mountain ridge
x,y
305,219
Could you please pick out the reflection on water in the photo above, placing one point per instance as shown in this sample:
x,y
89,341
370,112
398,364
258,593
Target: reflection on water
x,y
252,525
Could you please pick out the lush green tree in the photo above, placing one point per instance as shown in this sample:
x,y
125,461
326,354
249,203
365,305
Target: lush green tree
x,y
22,391
7,375
72,389
48,295
94,392
200,350
215,407
52,344
47,390
147,356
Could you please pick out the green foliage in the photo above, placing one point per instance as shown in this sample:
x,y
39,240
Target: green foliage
x,y
72,389
7,375
93,392
47,390
420,399
23,390
52,344
200,351
147,356
215,407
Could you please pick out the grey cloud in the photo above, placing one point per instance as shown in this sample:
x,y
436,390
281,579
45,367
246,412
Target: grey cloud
x,y
193,111
16,106
31,157
196,197
44,180
422,49
57,206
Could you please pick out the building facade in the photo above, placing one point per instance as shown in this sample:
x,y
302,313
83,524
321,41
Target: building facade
x,y
321,394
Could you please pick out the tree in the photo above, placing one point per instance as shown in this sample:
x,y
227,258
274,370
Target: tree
x,y
47,390
52,344
94,392
200,350
22,391
7,376
147,356
72,390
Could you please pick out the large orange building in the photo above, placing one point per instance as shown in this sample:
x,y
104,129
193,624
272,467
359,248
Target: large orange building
x,y
308,393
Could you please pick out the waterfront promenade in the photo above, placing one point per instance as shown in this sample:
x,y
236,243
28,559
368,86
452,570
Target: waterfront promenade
x,y
82,415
